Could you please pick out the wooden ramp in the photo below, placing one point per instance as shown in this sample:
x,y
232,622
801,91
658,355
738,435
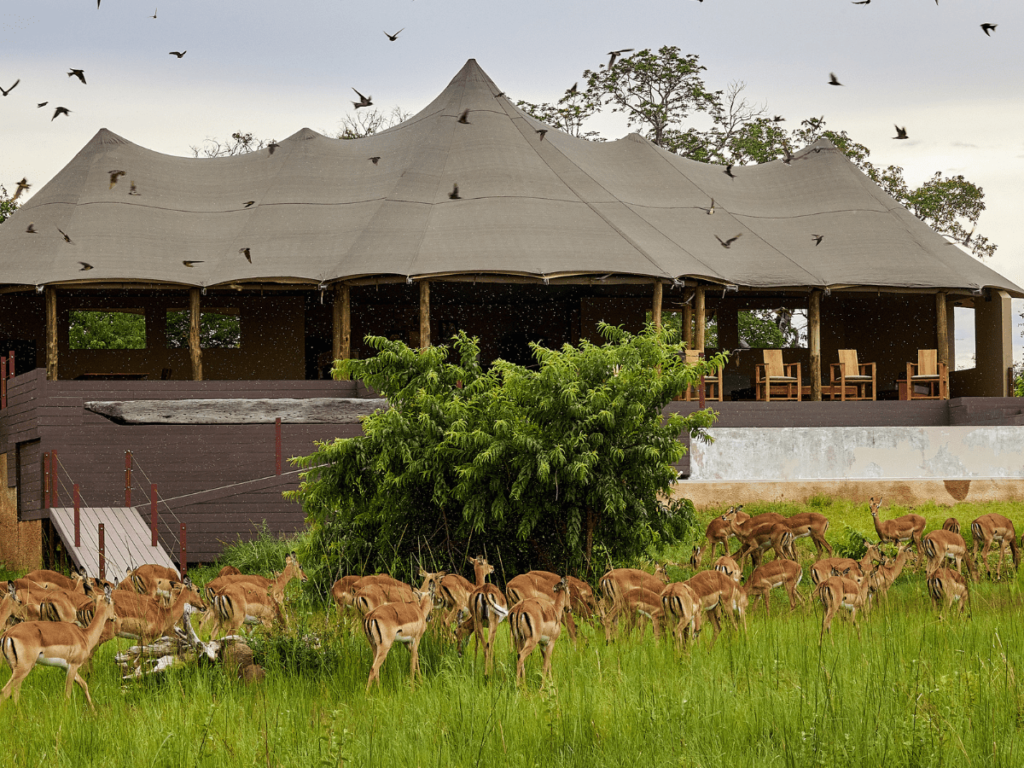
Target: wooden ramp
x,y
127,539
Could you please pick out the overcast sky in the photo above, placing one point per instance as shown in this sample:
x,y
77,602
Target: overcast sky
x,y
272,68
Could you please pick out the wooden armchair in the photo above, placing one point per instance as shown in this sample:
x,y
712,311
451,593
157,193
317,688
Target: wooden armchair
x,y
928,371
712,384
848,372
773,373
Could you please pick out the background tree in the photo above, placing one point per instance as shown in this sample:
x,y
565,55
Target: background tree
x,y
106,330
557,468
362,123
7,206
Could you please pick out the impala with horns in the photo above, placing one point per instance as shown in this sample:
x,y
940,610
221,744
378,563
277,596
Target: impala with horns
x,y
401,622
535,621
778,573
56,645
899,530
995,529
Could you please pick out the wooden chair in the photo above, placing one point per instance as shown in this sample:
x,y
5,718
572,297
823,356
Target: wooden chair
x,y
928,370
774,373
849,372
712,384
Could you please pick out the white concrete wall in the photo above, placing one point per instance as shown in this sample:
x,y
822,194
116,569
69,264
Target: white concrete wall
x,y
943,453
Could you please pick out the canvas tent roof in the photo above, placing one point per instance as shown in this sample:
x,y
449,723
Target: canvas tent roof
x,y
539,205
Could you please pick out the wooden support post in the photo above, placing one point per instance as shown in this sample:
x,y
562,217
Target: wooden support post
x,y
183,556
342,347
814,343
11,371
127,478
195,351
656,308
3,382
152,511
51,333
688,326
54,479
277,446
424,314
46,481
78,522
942,340
698,310
103,554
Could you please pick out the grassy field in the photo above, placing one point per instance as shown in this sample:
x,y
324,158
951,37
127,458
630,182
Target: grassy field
x,y
913,689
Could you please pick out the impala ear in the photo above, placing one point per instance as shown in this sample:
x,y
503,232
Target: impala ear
x,y
11,590
106,593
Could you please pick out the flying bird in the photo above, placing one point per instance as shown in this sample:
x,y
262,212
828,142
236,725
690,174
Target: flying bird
x,y
464,117
114,175
273,145
967,240
190,264
31,229
711,210
23,186
64,235
778,119
615,54
154,13
375,159
901,133
249,203
817,239
364,101
728,171
79,73
454,194
730,241
788,155
85,266
60,111
986,28
862,2
245,252
542,132
179,54
133,190
572,91
11,88
832,79
394,37
43,104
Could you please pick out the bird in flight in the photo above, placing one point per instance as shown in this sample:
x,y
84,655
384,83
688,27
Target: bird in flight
x,y
79,73
60,111
788,155
778,119
114,176
542,132
711,210
11,88
249,203
375,159
728,171
394,37
862,2
85,266
817,239
273,145
901,133
23,185
31,229
64,235
572,91
245,252
986,28
464,117
454,194
40,106
832,79
190,264
154,13
730,241
364,101
179,54
615,54
133,190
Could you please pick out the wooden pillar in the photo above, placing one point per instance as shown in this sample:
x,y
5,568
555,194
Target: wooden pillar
x,y
51,332
656,309
194,349
424,314
688,326
942,327
698,310
814,343
342,348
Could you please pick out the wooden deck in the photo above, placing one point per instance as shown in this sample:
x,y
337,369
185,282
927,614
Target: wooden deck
x,y
126,538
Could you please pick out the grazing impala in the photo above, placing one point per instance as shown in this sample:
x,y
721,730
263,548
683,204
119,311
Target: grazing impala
x,y
899,530
810,524
639,604
719,531
822,569
777,573
680,602
52,579
992,528
772,535
342,594
940,546
373,596
618,581
534,622
140,617
292,570
729,567
56,645
403,622
951,524
849,592
947,583
715,591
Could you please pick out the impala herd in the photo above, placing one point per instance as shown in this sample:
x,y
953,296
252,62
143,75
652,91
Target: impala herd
x,y
63,620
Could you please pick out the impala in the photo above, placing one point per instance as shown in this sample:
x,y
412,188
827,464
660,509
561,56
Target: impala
x,y
373,596
992,528
898,530
140,617
729,567
715,590
536,622
403,622
487,608
50,579
292,570
822,569
777,573
940,546
849,592
887,573
680,602
639,603
810,524
56,645
241,603
341,592
719,531
769,535
453,590
951,524
618,581
540,585
581,597
11,606
945,582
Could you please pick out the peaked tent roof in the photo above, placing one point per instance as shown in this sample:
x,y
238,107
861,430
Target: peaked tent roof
x,y
531,203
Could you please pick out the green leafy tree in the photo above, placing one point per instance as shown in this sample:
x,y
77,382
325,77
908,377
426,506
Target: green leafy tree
x,y
7,206
106,330
545,467
216,330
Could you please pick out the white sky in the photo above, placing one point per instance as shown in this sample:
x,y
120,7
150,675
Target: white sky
x,y
273,68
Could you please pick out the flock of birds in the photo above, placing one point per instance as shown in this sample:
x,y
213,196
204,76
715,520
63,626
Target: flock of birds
x,y
63,620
